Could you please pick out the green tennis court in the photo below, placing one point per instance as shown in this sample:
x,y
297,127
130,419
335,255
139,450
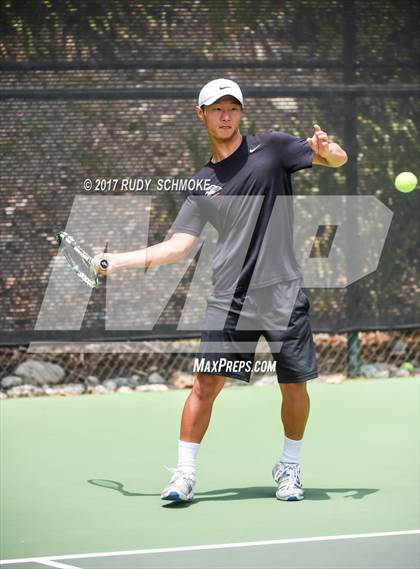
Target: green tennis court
x,y
81,479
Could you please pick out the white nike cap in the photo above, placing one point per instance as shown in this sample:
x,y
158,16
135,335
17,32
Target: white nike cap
x,y
219,88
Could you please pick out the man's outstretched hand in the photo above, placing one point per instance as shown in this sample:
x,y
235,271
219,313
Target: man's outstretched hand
x,y
326,153
319,142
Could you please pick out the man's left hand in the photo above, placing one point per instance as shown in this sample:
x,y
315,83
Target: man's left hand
x,y
319,142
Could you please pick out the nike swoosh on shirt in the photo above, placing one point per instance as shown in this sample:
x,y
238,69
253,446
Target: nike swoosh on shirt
x,y
251,150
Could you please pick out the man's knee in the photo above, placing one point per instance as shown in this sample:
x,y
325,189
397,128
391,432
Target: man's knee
x,y
293,390
207,386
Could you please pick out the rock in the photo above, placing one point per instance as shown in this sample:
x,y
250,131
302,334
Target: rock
x,y
380,374
99,390
119,381
2,395
402,373
382,366
182,380
155,377
367,370
92,380
72,389
124,389
110,385
266,380
126,381
378,371
133,381
34,372
25,390
51,391
320,379
335,378
138,380
152,387
10,381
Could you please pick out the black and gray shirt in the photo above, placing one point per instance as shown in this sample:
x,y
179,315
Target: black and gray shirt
x,y
239,202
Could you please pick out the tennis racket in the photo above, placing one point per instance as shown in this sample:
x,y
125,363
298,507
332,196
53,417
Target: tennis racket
x,y
78,259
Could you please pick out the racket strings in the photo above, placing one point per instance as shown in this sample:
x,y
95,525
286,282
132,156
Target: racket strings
x,y
80,262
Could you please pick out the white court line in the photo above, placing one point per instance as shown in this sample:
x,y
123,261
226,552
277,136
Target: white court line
x,y
213,546
51,563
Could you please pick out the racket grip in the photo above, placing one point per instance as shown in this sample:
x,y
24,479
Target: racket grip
x,y
104,264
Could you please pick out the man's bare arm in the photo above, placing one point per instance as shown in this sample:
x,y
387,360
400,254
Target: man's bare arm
x,y
163,253
326,153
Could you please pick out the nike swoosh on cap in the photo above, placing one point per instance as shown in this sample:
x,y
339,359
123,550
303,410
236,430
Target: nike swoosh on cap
x,y
227,87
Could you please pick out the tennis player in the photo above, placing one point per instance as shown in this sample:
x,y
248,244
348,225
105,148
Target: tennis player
x,y
254,289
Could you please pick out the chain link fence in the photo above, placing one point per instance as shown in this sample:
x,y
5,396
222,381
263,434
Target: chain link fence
x,y
381,354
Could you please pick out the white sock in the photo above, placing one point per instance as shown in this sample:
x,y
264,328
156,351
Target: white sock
x,y
187,456
291,451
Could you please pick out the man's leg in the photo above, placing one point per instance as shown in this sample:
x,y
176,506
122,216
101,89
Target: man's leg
x,y
294,409
195,420
198,406
294,414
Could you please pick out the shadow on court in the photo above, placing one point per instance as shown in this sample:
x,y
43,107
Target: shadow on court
x,y
245,493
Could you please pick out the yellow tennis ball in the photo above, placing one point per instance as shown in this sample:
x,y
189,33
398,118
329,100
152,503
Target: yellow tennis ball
x,y
405,182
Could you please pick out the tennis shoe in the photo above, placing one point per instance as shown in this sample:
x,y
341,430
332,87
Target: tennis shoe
x,y
181,486
287,478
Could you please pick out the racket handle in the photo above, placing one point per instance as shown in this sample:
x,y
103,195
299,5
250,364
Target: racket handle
x,y
104,264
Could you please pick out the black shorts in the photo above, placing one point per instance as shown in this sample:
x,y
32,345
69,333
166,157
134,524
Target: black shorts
x,y
233,326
